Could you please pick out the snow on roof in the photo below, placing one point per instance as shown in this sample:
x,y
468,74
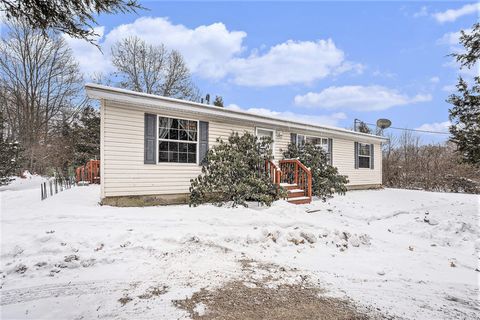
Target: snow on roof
x,y
96,91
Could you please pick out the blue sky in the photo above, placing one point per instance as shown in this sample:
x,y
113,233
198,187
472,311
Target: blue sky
x,y
323,62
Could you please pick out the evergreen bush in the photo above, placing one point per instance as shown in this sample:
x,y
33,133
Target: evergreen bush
x,y
325,178
10,155
234,171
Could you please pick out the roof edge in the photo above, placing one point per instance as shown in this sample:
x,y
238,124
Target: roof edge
x,y
97,91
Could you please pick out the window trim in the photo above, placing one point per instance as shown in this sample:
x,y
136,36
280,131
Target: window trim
x,y
364,156
274,132
318,137
197,142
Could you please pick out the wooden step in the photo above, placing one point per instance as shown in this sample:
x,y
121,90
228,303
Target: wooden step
x,y
299,200
289,186
295,193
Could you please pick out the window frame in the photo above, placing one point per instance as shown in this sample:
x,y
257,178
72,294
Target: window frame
x,y
197,142
360,144
317,137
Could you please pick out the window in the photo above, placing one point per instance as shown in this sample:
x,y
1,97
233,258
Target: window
x,y
177,140
364,156
319,142
300,140
316,141
265,133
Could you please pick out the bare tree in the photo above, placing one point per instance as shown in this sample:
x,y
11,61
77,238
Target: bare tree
x,y
152,69
409,164
41,83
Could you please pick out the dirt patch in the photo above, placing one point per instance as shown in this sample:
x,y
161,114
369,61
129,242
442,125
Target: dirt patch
x,y
269,292
237,300
153,292
124,300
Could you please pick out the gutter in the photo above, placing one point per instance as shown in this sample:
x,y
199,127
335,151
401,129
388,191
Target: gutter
x,y
101,92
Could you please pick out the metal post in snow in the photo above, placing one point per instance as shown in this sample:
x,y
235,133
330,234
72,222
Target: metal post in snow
x,y
42,187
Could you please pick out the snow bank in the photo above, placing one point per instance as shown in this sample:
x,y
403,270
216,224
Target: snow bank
x,y
372,246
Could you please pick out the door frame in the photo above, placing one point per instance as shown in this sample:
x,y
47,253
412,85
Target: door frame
x,y
273,131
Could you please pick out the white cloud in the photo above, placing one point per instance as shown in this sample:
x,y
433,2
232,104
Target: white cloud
x,y
359,98
434,79
329,120
214,52
90,59
384,74
291,62
435,126
449,88
450,38
453,14
453,39
422,12
206,49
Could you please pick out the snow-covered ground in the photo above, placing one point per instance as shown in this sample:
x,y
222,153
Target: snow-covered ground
x,y
69,258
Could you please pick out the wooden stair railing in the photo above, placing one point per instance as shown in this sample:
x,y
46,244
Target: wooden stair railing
x,y
295,176
295,172
272,171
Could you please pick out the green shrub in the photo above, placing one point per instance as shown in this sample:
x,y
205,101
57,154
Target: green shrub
x,y
235,171
325,178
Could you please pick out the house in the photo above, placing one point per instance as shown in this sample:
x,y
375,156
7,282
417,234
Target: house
x,y
152,146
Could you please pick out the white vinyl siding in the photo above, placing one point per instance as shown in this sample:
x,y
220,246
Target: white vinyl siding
x,y
124,172
122,153
344,160
282,141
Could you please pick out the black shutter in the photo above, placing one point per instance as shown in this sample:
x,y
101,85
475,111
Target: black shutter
x,y
150,154
356,154
372,156
293,138
203,142
330,150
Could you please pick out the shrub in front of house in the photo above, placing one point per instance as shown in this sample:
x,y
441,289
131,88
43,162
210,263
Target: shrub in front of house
x,y
234,171
325,178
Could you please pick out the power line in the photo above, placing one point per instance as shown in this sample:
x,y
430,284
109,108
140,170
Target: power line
x,y
408,129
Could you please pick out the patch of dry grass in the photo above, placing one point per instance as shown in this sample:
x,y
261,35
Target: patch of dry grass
x,y
236,300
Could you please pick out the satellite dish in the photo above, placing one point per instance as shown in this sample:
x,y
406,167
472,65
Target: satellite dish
x,y
383,123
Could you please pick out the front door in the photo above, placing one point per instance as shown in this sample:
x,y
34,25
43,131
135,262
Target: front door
x,y
267,133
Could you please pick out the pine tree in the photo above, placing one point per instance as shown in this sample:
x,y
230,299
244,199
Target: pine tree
x,y
234,170
87,136
362,127
465,113
218,101
325,178
10,153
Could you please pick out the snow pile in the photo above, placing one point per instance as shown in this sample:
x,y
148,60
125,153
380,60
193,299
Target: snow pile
x,y
28,182
379,248
308,236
